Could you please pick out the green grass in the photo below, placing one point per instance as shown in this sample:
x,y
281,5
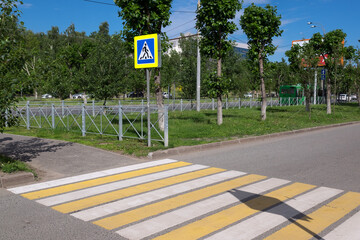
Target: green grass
x,y
9,165
192,128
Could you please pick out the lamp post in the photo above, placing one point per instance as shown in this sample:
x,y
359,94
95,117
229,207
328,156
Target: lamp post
x,y
314,25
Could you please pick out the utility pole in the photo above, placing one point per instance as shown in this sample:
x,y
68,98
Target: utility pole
x,y
198,69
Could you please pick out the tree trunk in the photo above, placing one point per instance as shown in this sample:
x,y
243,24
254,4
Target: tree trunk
x,y
308,99
328,97
36,93
219,99
159,102
263,92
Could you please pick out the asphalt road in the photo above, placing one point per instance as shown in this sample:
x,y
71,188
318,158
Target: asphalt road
x,y
329,157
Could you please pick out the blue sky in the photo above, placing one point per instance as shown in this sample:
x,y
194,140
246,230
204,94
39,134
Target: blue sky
x,y
328,15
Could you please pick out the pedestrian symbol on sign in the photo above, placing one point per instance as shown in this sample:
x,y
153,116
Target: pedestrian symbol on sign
x,y
145,52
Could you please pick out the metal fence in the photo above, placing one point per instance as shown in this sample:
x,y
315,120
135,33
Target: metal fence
x,y
120,121
126,119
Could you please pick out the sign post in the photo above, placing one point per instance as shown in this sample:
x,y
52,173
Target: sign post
x,y
147,54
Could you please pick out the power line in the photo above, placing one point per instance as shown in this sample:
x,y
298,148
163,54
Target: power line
x,y
104,3
180,25
113,4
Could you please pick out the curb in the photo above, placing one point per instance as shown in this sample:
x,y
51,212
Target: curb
x,y
13,179
185,149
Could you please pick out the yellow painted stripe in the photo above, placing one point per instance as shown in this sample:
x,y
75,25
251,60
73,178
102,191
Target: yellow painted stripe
x,y
126,192
175,202
226,217
312,224
100,181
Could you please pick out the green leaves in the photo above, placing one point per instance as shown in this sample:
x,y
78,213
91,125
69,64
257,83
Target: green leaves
x,y
261,25
214,22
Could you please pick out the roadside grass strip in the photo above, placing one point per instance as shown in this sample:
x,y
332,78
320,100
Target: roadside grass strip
x,y
83,177
314,223
100,181
233,214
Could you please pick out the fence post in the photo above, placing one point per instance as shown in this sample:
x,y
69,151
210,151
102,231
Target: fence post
x,y
62,108
6,118
239,103
289,101
93,107
83,130
120,122
181,105
166,127
250,102
212,104
27,115
52,116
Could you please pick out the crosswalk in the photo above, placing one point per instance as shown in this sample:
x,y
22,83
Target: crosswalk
x,y
169,199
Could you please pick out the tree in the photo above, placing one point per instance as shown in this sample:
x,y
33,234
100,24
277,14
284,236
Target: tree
x,y
303,62
213,20
352,55
11,60
261,25
332,46
106,68
146,17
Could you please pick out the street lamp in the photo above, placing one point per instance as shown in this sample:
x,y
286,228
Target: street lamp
x,y
315,24
315,82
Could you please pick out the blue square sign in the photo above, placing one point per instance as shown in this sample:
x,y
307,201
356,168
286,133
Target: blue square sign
x,y
146,51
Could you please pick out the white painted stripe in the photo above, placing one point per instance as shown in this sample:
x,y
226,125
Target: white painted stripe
x,y
68,180
145,198
273,217
178,216
349,230
66,197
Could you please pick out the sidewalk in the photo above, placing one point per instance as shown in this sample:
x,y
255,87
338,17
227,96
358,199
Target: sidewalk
x,y
54,159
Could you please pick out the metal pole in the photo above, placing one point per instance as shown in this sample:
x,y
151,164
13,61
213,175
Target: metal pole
x,y
93,108
120,122
52,116
166,127
315,84
198,70
27,115
148,106
83,130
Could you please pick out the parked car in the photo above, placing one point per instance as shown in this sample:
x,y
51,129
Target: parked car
x,y
79,96
343,97
248,95
166,95
46,95
353,97
135,94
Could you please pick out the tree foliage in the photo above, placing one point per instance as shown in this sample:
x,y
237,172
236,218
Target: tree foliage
x,y
11,59
261,25
213,20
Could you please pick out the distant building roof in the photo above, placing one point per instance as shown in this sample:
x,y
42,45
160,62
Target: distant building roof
x,y
241,48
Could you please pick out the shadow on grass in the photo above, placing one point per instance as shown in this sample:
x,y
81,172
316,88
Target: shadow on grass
x,y
27,149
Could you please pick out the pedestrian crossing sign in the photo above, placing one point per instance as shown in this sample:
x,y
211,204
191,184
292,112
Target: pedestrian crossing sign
x,y
147,51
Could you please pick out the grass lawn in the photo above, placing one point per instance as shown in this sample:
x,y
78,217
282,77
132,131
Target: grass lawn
x,y
9,165
192,128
